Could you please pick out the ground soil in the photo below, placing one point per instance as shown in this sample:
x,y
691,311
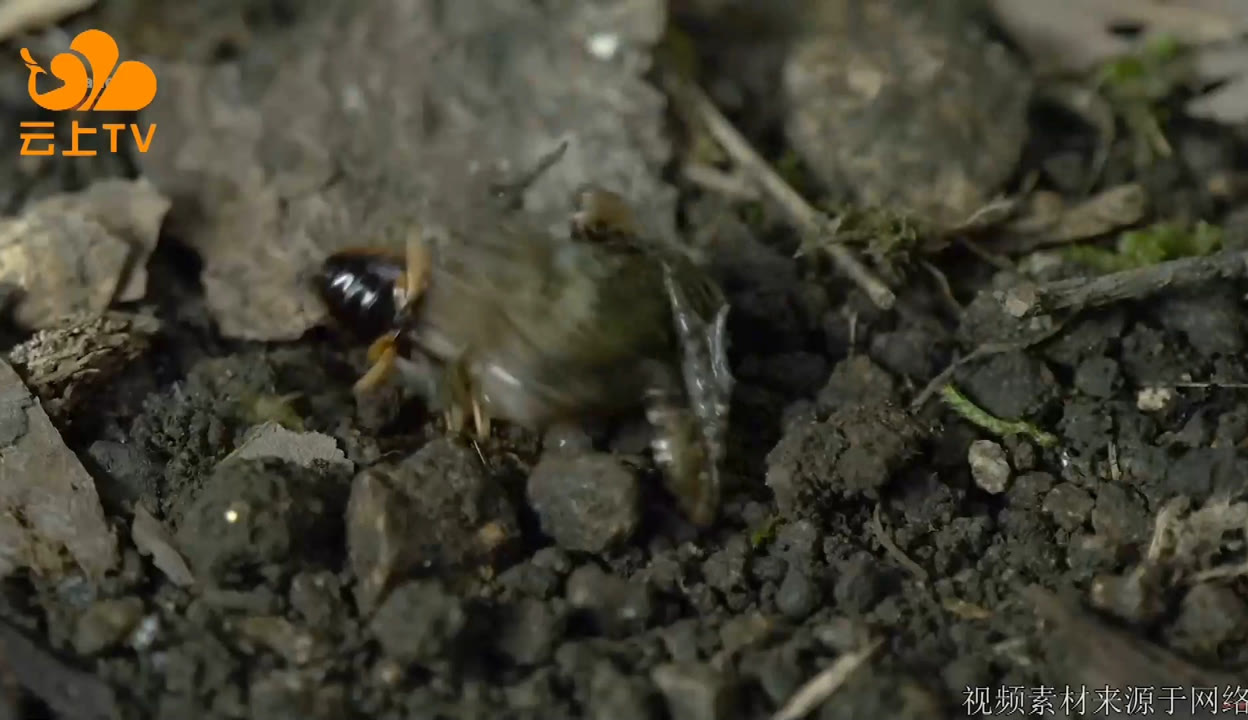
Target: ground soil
x,y
848,515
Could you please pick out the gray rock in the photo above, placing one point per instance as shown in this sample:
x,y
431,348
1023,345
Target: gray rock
x,y
798,595
617,606
614,696
1069,505
905,110
528,630
420,622
106,624
586,502
696,691
436,508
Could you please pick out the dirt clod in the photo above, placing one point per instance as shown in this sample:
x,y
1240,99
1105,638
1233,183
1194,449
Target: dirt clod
x,y
71,362
106,623
1069,505
696,691
855,451
1011,386
1210,616
890,126
254,512
614,605
528,631
420,622
435,509
586,502
856,380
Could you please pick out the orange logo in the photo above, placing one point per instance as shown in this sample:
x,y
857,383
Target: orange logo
x,y
91,80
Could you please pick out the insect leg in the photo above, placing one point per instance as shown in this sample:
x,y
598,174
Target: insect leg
x,y
381,358
511,194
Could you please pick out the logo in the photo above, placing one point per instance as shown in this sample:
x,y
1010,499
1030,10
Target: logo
x,y
91,80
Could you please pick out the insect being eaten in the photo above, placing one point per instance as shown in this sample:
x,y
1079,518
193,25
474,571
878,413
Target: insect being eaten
x,y
523,326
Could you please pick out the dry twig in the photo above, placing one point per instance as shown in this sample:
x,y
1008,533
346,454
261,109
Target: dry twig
x,y
1029,299
877,526
983,351
822,686
699,106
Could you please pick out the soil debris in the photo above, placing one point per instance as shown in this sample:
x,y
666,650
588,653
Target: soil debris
x,y
294,551
855,451
251,513
70,363
436,509
49,503
272,440
586,502
152,538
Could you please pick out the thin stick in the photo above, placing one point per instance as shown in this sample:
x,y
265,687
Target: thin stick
x,y
822,686
1029,300
805,216
734,186
983,351
877,526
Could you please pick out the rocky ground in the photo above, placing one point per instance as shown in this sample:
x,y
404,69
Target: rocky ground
x,y
987,328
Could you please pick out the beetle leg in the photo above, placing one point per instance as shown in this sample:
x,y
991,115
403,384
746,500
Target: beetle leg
x,y
510,194
417,268
381,358
691,475
481,420
461,398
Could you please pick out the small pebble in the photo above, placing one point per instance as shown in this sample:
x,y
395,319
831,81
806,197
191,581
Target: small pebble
x,y
615,696
1210,617
1136,596
797,595
585,502
618,606
1069,505
989,466
1154,399
695,691
419,622
528,631
106,623
1098,377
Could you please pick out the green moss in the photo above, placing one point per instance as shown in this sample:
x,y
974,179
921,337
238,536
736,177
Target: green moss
x,y
1137,87
765,532
1149,246
976,415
